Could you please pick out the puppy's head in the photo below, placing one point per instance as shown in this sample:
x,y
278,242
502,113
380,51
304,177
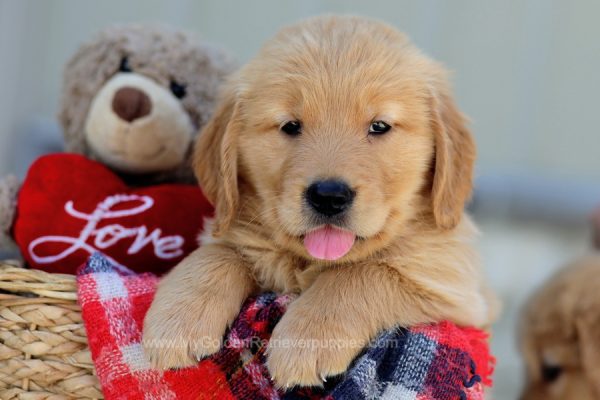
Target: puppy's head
x,y
560,335
344,134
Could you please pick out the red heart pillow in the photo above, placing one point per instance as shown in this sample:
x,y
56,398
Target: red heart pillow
x,y
70,207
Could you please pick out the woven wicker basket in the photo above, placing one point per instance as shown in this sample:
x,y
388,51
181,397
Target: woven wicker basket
x,y
43,346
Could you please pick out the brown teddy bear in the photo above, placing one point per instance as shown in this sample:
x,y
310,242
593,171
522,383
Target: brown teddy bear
x,y
134,98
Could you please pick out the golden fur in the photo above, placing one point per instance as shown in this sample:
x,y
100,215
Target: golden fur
x,y
561,329
413,261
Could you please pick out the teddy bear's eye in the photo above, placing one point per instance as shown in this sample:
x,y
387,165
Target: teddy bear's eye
x,y
178,89
124,66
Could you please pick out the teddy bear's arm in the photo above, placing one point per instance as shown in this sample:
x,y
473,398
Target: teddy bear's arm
x,y
9,189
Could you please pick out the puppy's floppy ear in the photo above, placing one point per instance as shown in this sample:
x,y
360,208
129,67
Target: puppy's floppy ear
x,y
454,159
215,161
588,334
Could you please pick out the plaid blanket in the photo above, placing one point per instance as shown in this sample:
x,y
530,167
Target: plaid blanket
x,y
438,362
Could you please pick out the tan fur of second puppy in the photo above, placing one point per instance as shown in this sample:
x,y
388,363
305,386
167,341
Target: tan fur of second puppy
x,y
341,130
560,335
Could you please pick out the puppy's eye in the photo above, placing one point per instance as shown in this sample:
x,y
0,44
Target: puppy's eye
x,y
291,128
178,89
551,373
379,128
124,66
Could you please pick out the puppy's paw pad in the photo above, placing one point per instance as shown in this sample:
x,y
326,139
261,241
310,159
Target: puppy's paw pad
x,y
296,357
176,342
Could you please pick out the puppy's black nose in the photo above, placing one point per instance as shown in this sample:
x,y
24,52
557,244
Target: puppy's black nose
x,y
329,197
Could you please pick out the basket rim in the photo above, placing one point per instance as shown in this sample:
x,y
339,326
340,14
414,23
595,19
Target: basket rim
x,y
17,280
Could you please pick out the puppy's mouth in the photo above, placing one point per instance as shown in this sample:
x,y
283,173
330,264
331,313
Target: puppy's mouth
x,y
329,242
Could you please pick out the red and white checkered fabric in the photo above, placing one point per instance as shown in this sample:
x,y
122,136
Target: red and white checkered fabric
x,y
429,362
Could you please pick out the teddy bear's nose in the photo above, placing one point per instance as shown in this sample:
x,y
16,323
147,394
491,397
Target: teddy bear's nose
x,y
130,104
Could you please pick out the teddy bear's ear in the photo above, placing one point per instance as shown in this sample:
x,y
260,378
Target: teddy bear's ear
x,y
215,161
83,76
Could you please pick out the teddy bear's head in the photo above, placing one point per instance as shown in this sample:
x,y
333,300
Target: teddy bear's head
x,y
135,96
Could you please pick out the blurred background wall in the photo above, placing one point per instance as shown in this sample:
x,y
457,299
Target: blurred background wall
x,y
527,73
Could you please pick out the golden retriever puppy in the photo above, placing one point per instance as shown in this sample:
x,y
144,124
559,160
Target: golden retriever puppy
x,y
560,335
339,167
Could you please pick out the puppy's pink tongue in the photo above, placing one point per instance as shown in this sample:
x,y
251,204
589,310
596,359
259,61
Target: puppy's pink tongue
x,y
328,242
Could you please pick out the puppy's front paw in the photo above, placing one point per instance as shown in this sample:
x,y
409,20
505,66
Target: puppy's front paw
x,y
179,336
304,352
